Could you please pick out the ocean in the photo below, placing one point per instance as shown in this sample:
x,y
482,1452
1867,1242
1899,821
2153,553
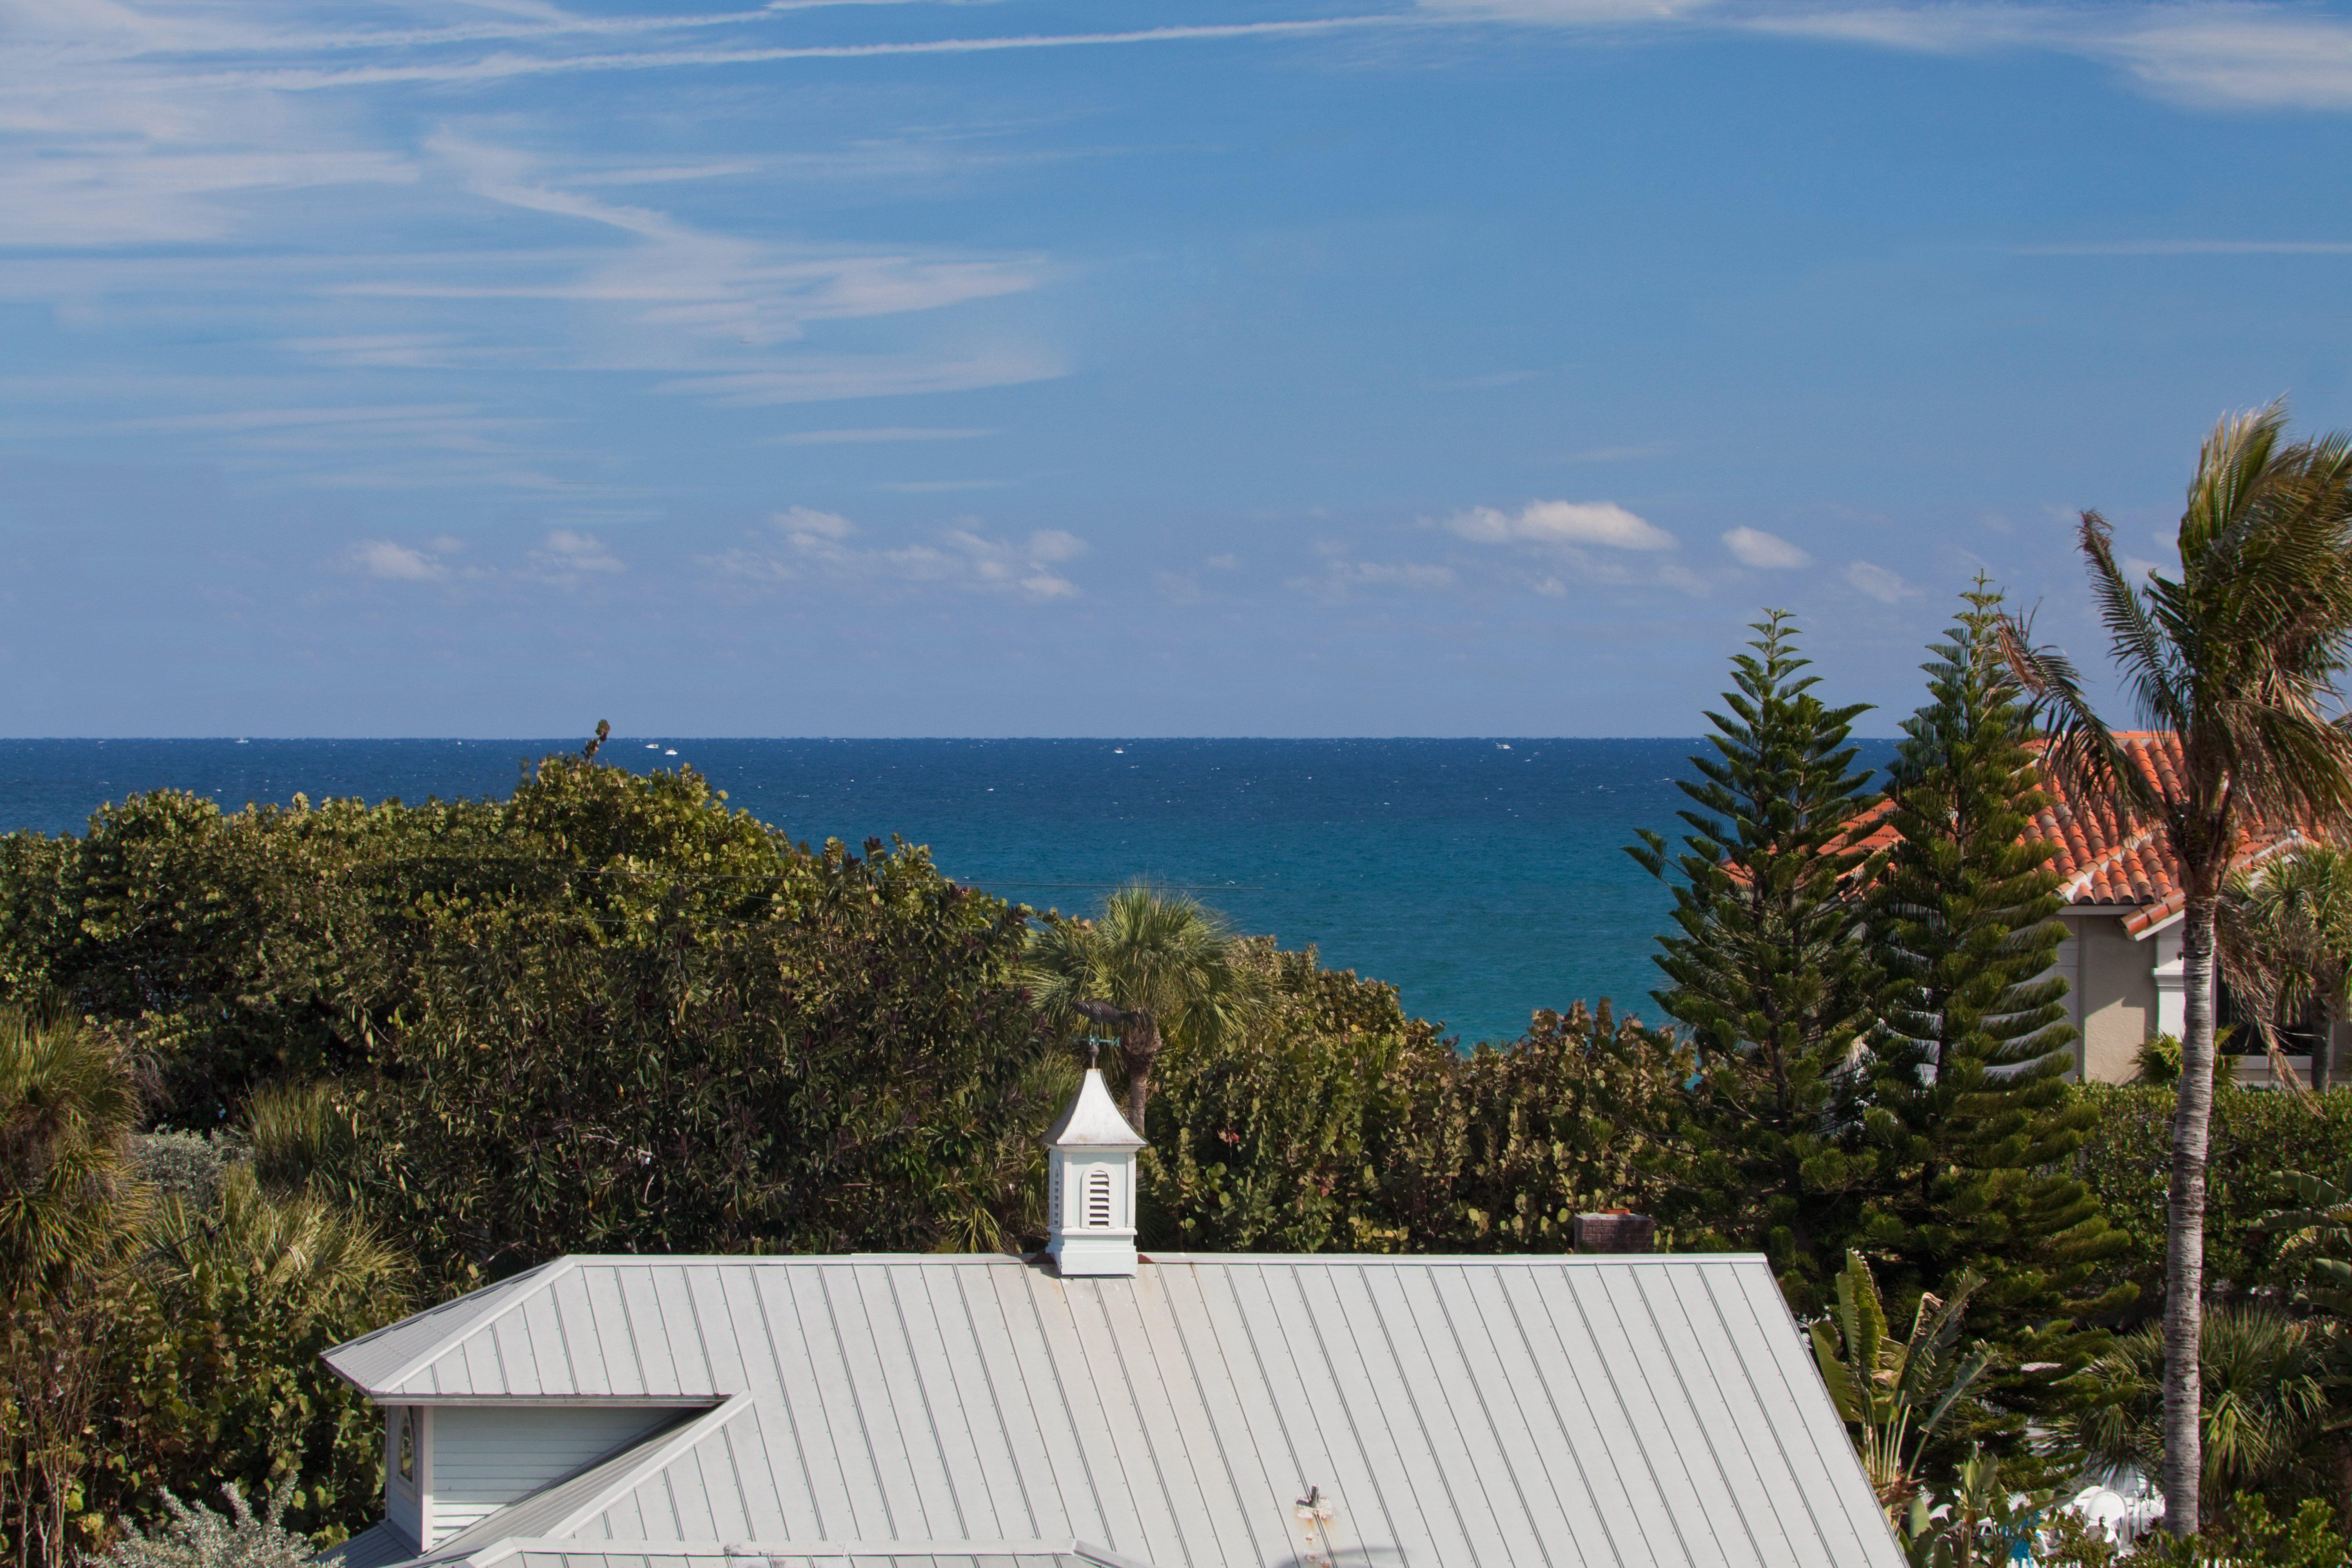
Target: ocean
x,y
1484,877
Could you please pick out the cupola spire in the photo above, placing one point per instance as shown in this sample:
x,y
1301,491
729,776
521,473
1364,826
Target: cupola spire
x,y
1090,1156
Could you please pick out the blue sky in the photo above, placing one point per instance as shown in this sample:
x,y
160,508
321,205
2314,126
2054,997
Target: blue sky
x,y
905,367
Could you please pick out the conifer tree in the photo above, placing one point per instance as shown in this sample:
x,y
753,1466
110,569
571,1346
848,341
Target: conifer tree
x,y
1970,1108
1767,971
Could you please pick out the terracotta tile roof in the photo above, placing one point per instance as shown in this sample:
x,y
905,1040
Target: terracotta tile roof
x,y
2106,853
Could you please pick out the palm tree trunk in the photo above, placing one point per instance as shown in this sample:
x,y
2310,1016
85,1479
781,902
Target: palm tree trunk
x,y
1139,1044
2184,1245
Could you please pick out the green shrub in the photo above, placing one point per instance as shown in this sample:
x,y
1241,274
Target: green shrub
x,y
2259,1138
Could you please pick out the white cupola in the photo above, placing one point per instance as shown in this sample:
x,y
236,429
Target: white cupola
x,y
1090,1188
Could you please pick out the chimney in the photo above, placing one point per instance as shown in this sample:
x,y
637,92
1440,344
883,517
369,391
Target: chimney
x,y
1616,1230
1090,1188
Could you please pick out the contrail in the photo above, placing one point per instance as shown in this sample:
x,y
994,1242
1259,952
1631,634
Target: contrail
x,y
499,66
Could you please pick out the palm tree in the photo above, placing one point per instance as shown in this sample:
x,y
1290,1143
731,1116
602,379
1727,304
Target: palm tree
x,y
2239,657
71,1211
2269,1421
1154,968
70,1200
2285,945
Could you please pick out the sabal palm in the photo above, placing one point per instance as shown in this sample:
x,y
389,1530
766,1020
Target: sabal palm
x,y
1158,967
70,1203
2239,655
2285,943
309,1256
2268,1417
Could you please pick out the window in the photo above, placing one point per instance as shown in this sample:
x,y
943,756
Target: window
x,y
1097,1199
408,1464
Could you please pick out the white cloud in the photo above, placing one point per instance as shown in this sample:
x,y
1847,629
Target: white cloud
x,y
1674,574
1341,577
1887,587
807,521
1764,552
1561,523
816,379
819,543
2200,53
1052,544
382,558
567,558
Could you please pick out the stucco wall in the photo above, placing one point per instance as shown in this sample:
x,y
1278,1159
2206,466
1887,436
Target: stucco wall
x,y
2113,993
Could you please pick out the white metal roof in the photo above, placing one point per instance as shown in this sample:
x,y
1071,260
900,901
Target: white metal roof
x,y
1516,1411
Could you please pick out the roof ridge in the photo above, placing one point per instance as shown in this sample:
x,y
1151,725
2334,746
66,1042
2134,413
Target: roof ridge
x,y
921,1545
539,1278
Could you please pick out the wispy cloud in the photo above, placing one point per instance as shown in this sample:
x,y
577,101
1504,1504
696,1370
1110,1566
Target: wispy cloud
x,y
1764,552
817,379
568,558
2191,248
1878,581
862,438
2204,55
394,563
823,544
1342,579
507,65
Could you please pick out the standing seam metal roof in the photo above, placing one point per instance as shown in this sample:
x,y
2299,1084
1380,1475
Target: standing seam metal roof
x,y
1514,1412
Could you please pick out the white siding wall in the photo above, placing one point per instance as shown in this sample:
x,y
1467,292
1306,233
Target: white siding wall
x,y
486,1458
401,1497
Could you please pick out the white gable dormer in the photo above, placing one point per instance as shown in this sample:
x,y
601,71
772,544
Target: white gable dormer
x,y
448,1466
1090,1190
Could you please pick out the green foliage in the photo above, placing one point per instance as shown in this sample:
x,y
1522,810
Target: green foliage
x,y
214,1377
1969,1105
1980,1518
72,1209
186,1166
1264,1140
2269,1422
2315,1255
2260,1140
2246,1534
70,1200
695,1038
1498,1148
1160,969
1341,1123
1894,1394
197,1537
2286,944
2157,1060
1764,967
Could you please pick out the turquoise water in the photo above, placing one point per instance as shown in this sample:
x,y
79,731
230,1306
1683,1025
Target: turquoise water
x,y
1484,877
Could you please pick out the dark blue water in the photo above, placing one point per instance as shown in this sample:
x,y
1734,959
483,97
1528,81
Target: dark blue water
x,y
1486,878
